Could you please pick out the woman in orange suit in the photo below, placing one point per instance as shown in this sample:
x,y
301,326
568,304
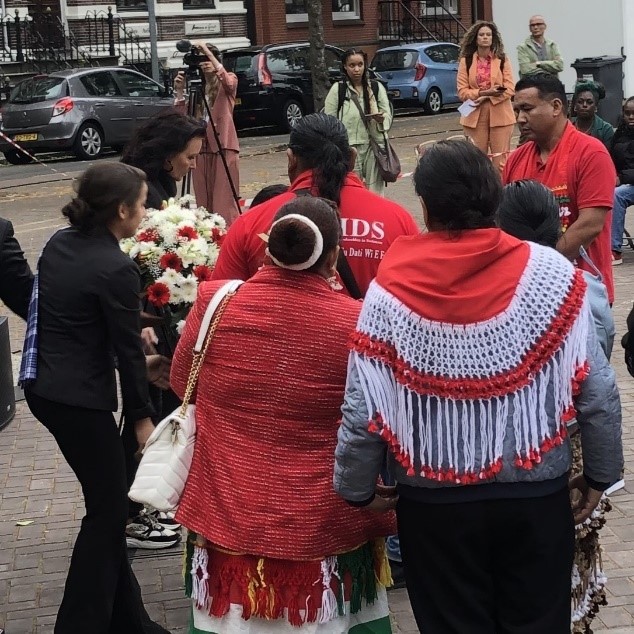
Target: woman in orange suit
x,y
485,77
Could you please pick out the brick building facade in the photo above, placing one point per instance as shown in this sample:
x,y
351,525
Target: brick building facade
x,y
237,23
347,23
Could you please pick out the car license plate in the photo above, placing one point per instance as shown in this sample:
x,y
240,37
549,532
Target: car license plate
x,y
238,101
25,137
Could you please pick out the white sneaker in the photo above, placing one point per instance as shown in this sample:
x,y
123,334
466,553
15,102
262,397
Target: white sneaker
x,y
166,520
146,532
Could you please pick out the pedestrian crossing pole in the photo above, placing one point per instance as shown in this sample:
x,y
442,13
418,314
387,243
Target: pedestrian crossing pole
x,y
151,9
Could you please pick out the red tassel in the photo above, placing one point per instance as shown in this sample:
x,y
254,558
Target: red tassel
x,y
294,614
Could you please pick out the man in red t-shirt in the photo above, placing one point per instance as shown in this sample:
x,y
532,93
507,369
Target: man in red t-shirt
x,y
319,163
575,166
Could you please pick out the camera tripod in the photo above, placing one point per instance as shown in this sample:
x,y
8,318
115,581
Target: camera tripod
x,y
197,96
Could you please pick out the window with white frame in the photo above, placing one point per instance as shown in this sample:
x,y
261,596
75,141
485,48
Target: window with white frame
x,y
346,9
438,7
341,10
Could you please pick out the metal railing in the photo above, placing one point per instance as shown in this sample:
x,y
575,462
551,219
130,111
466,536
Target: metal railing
x,y
43,40
107,34
418,21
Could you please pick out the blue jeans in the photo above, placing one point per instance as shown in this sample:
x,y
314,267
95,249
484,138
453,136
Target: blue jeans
x,y
623,198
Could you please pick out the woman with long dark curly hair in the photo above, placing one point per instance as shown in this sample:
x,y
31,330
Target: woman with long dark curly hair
x,y
485,79
165,147
364,108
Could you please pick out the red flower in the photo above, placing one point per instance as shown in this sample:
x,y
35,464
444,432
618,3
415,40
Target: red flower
x,y
149,235
158,294
171,261
187,233
218,236
202,273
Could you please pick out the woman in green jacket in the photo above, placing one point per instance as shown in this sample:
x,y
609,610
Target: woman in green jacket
x,y
347,99
584,106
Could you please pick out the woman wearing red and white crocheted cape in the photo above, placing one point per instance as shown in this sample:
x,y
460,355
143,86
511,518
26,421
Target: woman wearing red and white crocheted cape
x,y
271,547
472,351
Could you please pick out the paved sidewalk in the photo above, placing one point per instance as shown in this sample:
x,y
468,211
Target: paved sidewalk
x,y
38,490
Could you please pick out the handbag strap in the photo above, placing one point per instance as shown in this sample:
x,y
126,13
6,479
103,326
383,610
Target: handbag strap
x,y
357,103
208,326
355,98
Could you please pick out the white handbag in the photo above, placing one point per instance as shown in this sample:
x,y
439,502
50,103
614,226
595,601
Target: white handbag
x,y
168,452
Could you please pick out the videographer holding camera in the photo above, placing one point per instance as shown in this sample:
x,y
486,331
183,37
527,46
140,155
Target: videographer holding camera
x,y
212,181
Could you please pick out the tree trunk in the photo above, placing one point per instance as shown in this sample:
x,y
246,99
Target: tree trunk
x,y
319,72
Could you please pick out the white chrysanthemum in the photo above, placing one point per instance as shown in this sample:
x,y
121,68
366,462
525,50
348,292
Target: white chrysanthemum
x,y
187,199
176,296
171,277
213,250
219,221
189,289
180,326
168,234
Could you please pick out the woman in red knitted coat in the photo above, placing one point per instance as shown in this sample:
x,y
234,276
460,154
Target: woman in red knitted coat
x,y
271,547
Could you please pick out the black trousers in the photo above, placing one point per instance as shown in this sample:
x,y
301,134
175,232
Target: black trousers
x,y
102,595
490,567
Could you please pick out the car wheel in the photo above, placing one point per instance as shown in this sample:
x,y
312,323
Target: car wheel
x,y
15,157
292,112
433,101
89,142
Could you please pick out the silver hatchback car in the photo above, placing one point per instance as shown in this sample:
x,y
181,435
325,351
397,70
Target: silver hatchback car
x,y
79,110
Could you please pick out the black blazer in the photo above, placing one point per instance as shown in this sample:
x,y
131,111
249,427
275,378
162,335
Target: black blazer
x,y
622,151
16,279
89,311
159,189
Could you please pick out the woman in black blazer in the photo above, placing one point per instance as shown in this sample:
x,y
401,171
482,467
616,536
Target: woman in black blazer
x,y
165,147
88,315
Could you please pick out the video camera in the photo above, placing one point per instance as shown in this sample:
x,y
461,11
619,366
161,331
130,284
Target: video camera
x,y
193,57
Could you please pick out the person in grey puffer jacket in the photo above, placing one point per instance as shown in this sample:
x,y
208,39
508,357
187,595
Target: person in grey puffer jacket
x,y
530,211
472,353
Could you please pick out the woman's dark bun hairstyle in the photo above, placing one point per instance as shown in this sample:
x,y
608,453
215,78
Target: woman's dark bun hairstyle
x,y
101,190
292,242
530,211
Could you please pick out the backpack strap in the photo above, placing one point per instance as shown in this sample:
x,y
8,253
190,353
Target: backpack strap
x,y
375,89
343,266
341,97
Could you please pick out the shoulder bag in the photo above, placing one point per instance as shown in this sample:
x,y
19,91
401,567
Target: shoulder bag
x,y
167,456
388,163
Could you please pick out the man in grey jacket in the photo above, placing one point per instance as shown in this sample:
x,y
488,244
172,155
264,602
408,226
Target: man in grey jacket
x,y
537,54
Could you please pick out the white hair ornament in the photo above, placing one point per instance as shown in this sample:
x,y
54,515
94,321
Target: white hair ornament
x,y
317,250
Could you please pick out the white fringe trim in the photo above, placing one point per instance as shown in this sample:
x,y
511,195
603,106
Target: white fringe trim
x,y
469,436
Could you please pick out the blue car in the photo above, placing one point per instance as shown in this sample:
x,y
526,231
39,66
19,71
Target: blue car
x,y
422,73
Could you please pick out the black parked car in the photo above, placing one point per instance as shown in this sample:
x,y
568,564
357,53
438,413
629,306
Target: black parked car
x,y
274,82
